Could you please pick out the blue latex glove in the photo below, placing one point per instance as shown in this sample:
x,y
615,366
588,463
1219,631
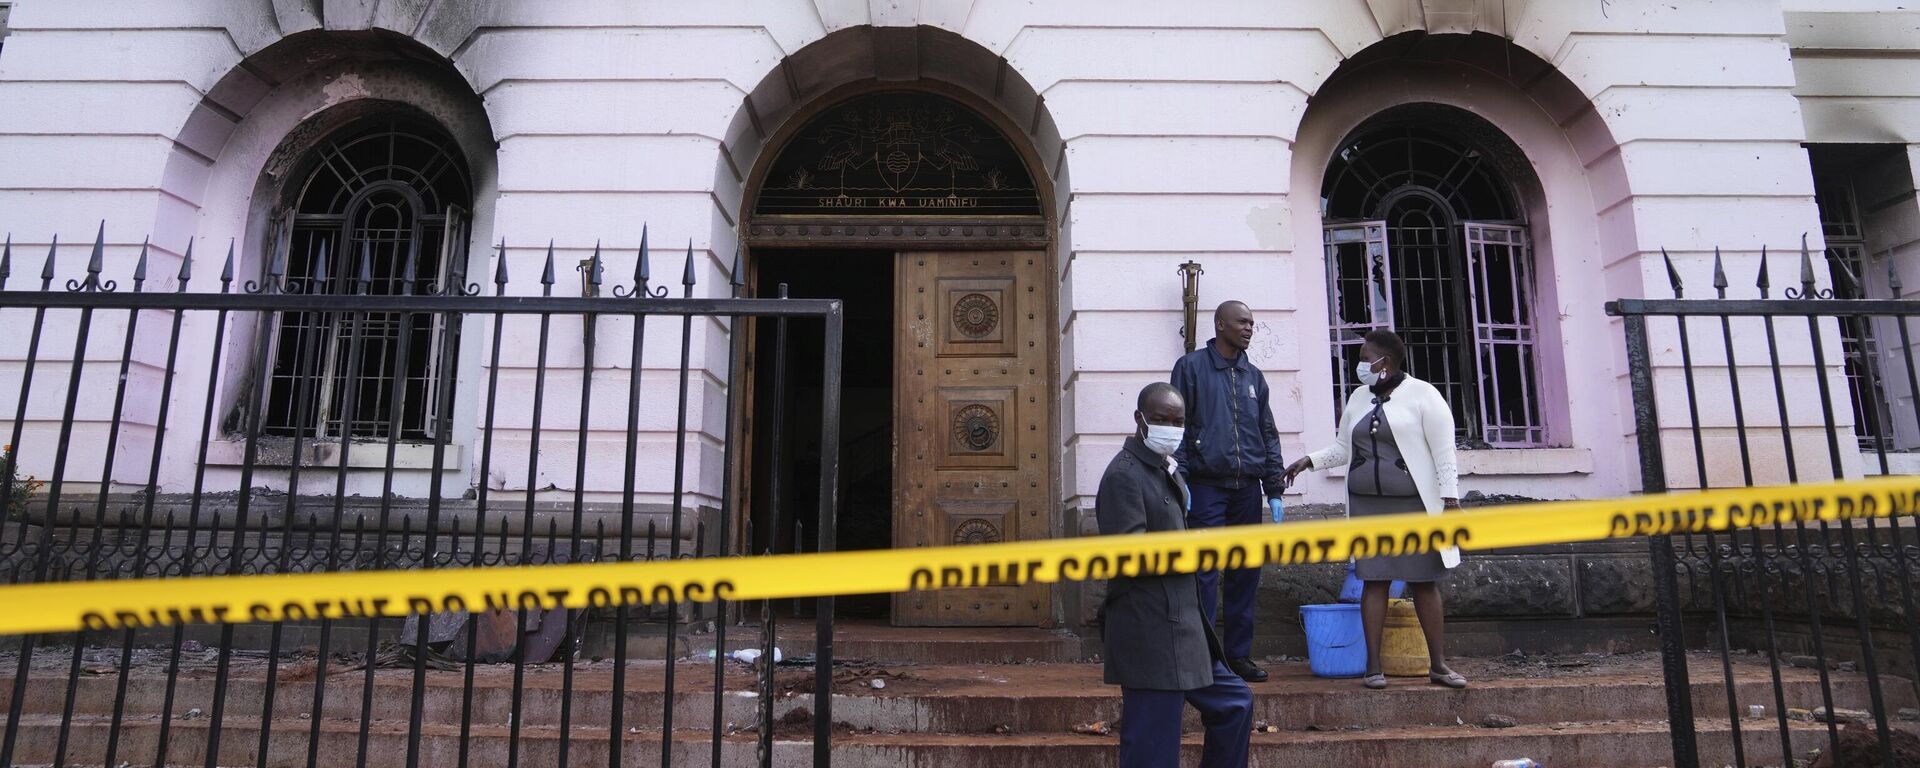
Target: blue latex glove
x,y
1279,509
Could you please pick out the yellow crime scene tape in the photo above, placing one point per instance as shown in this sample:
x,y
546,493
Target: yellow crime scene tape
x,y
62,607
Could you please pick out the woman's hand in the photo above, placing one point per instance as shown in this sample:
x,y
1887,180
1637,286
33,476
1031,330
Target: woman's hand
x,y
1450,503
1299,465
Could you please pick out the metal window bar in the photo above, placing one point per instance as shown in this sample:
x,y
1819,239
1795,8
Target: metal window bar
x,y
1847,266
383,691
1830,606
1359,276
1500,292
1375,281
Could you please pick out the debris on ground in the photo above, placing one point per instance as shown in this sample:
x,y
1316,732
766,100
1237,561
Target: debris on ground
x,y
796,722
1497,721
1262,726
1860,745
396,656
1841,715
751,656
866,675
1095,728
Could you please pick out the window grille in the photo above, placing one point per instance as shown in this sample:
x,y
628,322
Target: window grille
x,y
388,199
1424,237
1848,270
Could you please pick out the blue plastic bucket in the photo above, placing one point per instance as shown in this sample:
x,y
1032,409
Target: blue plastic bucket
x,y
1350,589
1336,646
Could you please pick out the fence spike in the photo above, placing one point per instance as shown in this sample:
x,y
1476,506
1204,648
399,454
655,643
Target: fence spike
x,y
140,266
277,262
226,271
643,266
593,266
1839,269
186,266
546,275
46,270
96,261
457,271
319,269
366,268
1719,275
410,271
1763,283
500,268
6,261
1673,275
1806,269
1893,279
686,278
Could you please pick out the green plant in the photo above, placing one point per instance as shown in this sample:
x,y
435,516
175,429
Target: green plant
x,y
18,490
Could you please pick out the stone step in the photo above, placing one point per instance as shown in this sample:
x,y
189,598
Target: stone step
x,y
1035,698
861,639
1618,743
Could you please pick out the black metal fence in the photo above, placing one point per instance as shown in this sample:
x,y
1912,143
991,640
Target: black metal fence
x,y
133,490
1774,391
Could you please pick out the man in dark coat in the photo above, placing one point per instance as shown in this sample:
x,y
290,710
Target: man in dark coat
x,y
1160,650
1230,455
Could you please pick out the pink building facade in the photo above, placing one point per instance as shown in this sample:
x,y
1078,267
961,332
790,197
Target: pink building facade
x,y
1482,176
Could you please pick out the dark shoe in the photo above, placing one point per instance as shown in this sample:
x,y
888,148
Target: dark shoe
x,y
1247,671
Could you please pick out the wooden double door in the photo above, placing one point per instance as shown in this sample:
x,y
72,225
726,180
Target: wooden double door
x,y
973,415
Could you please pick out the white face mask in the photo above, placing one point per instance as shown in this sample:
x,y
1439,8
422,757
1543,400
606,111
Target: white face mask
x,y
1164,440
1365,373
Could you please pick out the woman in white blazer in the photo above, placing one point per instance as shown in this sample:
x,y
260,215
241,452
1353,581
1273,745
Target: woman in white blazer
x,y
1396,440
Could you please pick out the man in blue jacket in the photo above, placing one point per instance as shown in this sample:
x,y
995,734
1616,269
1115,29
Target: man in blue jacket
x,y
1230,454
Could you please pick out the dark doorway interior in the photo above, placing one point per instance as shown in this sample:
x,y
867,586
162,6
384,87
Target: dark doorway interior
x,y
864,280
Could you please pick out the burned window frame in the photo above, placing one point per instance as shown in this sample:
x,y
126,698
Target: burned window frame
x,y
1479,342
351,220
1852,273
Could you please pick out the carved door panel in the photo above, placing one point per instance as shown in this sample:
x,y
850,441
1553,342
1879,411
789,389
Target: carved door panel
x,y
972,422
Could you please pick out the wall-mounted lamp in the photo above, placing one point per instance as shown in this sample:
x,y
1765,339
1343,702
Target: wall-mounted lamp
x,y
590,273
1190,273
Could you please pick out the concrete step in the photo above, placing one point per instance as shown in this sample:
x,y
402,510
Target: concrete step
x,y
863,639
1026,698
1618,743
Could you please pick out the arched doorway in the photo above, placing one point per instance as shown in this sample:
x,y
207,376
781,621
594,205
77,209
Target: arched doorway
x,y
927,216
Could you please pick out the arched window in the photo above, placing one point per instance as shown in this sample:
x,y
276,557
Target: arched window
x,y
1424,236
392,194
